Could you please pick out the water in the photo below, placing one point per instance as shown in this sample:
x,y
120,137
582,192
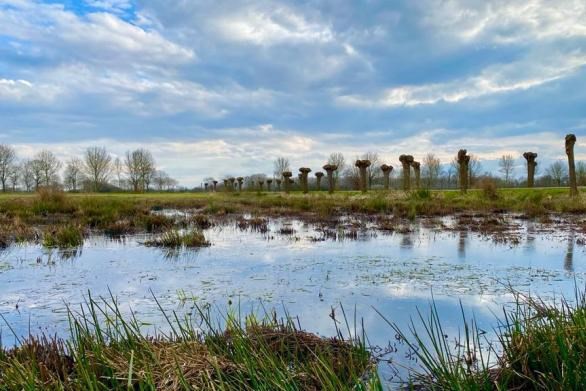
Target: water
x,y
309,276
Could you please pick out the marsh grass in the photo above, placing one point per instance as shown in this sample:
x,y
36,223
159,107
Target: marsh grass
x,y
538,346
120,214
67,236
108,350
174,239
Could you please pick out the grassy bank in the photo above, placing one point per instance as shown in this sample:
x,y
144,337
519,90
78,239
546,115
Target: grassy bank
x,y
539,346
119,214
108,351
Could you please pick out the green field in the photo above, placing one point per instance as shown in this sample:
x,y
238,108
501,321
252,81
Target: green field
x,y
416,203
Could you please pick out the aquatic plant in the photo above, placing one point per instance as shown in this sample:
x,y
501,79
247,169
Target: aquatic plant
x,y
175,238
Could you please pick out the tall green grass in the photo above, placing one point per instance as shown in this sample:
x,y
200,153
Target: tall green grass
x,y
67,236
538,346
109,351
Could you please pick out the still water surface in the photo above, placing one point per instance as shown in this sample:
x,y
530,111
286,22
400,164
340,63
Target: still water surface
x,y
301,272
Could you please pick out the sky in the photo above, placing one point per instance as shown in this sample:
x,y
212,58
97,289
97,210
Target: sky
x,y
217,88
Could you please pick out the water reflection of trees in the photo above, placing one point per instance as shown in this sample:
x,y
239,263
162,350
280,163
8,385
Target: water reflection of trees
x,y
530,240
63,254
569,258
462,242
407,241
179,253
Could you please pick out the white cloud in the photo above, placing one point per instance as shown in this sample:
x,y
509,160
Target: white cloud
x,y
270,27
23,90
518,76
96,37
503,21
143,95
116,6
190,161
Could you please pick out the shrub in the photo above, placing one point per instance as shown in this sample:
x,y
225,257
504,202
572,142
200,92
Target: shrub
x,y
51,200
423,194
51,194
489,188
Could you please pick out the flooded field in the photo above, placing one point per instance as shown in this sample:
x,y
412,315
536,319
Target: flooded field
x,y
312,271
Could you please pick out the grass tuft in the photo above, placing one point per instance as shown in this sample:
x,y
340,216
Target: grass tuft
x,y
68,236
175,238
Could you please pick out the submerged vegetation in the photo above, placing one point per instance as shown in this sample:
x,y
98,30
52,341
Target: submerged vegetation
x,y
110,351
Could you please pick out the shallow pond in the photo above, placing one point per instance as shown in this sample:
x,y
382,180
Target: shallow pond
x,y
294,267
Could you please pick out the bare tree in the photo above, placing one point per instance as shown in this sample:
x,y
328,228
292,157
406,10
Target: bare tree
x,y
97,166
337,159
14,176
373,169
474,168
281,165
351,177
570,143
7,163
171,183
27,175
450,173
46,168
507,166
140,167
163,181
431,169
118,170
581,173
557,171
73,175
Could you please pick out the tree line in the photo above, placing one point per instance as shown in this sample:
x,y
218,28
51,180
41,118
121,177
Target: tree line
x,y
435,174
97,170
